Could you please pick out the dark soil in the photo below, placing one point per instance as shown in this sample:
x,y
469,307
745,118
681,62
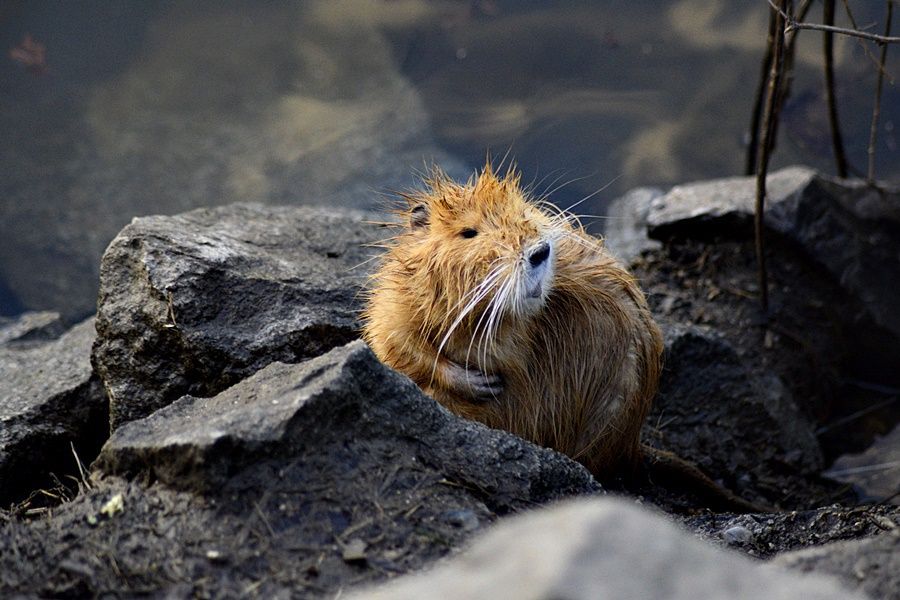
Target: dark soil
x,y
312,533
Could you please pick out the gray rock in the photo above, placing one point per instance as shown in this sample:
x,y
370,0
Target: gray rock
x,y
601,548
720,206
875,472
49,399
737,426
162,127
191,304
872,565
851,230
737,535
345,398
31,327
625,226
296,482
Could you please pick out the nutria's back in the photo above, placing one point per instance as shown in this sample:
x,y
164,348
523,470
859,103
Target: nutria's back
x,y
510,314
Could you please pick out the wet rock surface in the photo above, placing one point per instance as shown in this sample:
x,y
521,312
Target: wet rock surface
x,y
50,403
601,549
257,450
190,304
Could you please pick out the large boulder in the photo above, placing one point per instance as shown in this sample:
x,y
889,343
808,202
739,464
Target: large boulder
x,y
190,304
50,402
720,206
601,548
331,414
846,227
742,428
299,481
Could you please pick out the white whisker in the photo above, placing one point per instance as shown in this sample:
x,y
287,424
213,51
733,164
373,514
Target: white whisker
x,y
477,295
589,196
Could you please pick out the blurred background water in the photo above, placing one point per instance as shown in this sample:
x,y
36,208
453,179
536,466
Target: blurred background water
x,y
112,109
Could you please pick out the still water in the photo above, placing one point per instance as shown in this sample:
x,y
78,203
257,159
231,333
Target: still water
x,y
115,109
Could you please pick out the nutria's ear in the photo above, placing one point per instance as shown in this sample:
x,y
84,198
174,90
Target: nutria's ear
x,y
418,216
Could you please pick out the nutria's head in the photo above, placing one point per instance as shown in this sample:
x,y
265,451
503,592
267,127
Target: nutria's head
x,y
472,256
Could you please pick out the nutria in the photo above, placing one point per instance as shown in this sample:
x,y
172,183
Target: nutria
x,y
508,312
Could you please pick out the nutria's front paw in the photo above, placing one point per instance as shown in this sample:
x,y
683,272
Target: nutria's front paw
x,y
472,383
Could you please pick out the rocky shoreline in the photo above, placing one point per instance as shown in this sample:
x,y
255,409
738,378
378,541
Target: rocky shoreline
x,y
258,449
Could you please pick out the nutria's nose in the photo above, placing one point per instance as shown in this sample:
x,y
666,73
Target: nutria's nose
x,y
538,254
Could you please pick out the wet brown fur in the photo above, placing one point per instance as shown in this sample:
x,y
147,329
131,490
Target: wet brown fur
x,y
579,373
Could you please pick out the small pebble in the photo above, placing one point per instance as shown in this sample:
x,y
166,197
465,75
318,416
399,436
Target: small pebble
x,y
737,535
213,555
355,550
466,520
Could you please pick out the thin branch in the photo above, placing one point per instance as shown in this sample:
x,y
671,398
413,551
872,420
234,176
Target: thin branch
x,y
759,98
770,124
787,68
862,44
750,165
876,109
837,141
791,25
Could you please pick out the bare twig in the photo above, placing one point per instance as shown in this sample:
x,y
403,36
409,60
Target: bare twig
x,y
770,123
855,416
862,43
80,466
791,25
756,117
837,141
750,165
787,69
876,109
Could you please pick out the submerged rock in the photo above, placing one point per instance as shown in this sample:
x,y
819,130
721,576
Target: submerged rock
x,y
49,401
601,548
191,304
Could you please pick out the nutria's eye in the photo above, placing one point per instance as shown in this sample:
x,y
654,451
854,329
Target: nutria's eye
x,y
468,233
418,216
